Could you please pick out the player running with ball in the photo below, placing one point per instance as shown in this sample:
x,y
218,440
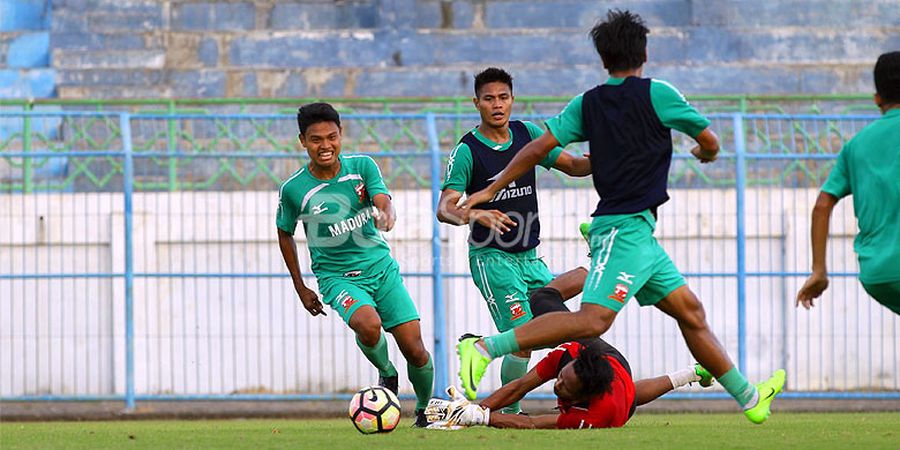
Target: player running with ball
x,y
343,203
627,122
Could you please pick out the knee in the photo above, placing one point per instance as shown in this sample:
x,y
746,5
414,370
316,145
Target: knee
x,y
417,356
368,331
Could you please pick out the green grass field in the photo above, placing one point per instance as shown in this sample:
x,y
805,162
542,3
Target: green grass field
x,y
709,431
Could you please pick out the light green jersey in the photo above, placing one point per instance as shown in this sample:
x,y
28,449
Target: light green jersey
x,y
868,167
337,216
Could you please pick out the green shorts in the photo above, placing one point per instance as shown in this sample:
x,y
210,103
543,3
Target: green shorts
x,y
888,294
628,262
382,290
505,279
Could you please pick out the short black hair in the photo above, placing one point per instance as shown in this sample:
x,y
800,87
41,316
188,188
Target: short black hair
x,y
594,371
492,75
621,40
313,113
887,77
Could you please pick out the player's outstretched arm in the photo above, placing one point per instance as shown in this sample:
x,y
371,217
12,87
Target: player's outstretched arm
x,y
308,297
816,284
523,422
386,217
533,153
575,166
707,149
513,391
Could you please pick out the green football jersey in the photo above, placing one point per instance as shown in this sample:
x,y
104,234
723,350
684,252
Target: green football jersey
x,y
458,175
671,107
338,216
868,168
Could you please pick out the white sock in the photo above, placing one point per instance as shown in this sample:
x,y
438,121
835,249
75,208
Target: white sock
x,y
753,401
481,346
683,377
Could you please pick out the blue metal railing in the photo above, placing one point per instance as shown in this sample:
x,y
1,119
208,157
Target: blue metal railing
x,y
442,342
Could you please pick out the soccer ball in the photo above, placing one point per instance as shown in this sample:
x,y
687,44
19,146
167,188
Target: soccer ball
x,y
375,409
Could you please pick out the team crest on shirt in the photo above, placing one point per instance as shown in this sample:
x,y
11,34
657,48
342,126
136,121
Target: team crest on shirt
x,y
361,192
620,293
516,310
346,300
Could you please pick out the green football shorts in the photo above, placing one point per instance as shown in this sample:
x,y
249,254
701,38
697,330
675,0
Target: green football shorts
x,y
627,262
505,280
888,294
382,290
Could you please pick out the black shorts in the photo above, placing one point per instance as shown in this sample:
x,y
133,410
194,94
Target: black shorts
x,y
543,304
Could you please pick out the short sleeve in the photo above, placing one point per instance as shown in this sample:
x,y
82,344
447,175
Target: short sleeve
x,y
548,367
674,111
459,169
838,182
288,210
372,177
568,126
535,132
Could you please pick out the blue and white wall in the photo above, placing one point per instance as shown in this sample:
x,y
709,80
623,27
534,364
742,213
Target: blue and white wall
x,y
292,48
25,70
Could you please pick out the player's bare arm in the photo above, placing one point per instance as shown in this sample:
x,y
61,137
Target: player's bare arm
x,y
513,391
574,166
530,155
707,148
448,212
386,217
547,421
308,297
816,284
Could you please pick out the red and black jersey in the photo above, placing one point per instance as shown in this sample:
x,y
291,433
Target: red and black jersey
x,y
609,410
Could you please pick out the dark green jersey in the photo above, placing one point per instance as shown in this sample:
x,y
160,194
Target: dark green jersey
x,y
337,216
868,168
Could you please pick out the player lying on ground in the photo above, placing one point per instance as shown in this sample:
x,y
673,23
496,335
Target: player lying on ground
x,y
628,123
344,204
594,387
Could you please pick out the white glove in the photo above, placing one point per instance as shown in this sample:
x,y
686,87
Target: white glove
x,y
455,413
471,415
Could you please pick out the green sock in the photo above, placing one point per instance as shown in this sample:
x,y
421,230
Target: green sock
x,y
513,368
422,379
378,356
502,344
737,385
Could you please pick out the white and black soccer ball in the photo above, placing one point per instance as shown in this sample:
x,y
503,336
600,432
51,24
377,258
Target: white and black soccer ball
x,y
375,409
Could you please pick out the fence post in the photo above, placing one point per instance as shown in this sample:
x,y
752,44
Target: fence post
x,y
437,276
28,163
741,185
128,188
171,143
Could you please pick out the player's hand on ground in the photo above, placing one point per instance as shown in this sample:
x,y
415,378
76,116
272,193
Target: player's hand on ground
x,y
813,288
310,301
493,219
472,415
701,155
482,196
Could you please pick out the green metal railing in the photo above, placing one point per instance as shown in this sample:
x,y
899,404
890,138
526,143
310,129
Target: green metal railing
x,y
193,129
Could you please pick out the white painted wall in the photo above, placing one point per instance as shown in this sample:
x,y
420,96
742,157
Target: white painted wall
x,y
227,335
